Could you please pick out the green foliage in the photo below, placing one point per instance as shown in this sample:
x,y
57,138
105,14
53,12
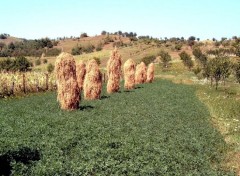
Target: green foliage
x,y
146,132
218,68
53,52
50,68
76,50
83,35
18,64
27,48
165,58
187,60
22,64
99,46
98,60
148,59
45,61
38,62
178,46
237,71
200,57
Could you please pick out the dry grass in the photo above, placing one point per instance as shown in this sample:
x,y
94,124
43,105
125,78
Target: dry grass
x,y
93,81
129,74
114,72
150,73
80,71
141,73
67,87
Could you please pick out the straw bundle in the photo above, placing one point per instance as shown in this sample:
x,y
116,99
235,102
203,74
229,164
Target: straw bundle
x,y
150,73
67,88
92,85
141,73
114,72
80,71
129,74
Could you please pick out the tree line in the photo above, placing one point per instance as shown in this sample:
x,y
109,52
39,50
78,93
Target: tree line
x,y
29,48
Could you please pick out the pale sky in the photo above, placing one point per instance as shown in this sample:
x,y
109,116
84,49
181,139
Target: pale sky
x,y
205,19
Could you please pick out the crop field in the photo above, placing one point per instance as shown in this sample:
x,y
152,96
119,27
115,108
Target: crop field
x,y
156,129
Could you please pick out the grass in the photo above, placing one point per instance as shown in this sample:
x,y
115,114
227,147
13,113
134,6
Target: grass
x,y
156,129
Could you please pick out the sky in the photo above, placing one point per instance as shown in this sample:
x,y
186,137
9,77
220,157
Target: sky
x,y
33,19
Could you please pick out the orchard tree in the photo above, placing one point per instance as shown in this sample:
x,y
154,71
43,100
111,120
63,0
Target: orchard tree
x,y
187,60
200,57
165,58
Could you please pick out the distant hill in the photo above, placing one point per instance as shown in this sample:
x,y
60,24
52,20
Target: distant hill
x,y
10,39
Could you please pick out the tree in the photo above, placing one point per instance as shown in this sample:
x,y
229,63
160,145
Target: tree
x,y
22,64
237,71
50,68
103,33
200,57
11,46
2,45
83,35
165,58
187,60
191,41
148,59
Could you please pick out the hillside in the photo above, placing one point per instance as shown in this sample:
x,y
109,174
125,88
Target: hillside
x,y
10,39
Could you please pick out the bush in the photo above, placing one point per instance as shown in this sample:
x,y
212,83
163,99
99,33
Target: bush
x,y
187,60
97,59
45,61
178,46
237,71
38,62
76,50
53,52
22,64
83,35
148,59
50,68
165,58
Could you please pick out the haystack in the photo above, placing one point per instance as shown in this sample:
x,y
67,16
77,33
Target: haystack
x,y
114,72
129,74
150,73
92,85
80,71
67,88
141,73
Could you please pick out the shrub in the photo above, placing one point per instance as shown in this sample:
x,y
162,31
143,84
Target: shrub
x,y
45,61
76,50
165,58
38,62
178,46
50,68
237,71
98,60
148,59
83,35
22,64
187,60
53,52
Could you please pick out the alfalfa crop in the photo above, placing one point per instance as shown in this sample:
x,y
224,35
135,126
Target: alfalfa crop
x,y
150,73
129,74
92,85
141,73
67,88
80,71
114,72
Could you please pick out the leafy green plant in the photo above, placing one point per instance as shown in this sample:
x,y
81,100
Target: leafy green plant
x,y
148,131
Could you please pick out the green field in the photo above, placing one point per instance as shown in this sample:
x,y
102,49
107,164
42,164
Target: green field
x,y
156,129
